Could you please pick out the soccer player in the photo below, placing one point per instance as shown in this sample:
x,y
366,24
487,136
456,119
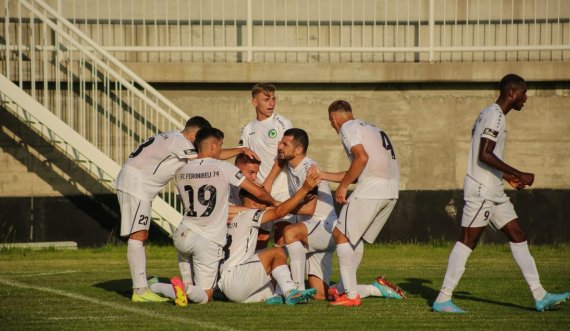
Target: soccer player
x,y
486,201
245,275
310,243
262,135
203,185
373,163
147,170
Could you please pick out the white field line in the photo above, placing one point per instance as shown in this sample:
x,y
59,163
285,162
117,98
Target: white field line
x,y
34,274
131,309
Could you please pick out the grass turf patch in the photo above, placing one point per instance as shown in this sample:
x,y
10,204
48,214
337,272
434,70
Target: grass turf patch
x,y
90,288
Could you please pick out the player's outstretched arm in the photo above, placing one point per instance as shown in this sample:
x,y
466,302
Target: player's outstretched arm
x,y
312,180
487,156
359,161
228,153
335,177
258,192
275,170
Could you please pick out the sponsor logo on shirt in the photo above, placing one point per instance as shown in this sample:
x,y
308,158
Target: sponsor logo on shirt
x,y
272,133
257,215
190,151
239,175
491,132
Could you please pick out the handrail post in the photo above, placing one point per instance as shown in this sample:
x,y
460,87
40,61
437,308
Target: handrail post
x,y
431,29
249,31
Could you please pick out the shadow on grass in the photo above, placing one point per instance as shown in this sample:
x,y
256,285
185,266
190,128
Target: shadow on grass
x,y
423,288
120,286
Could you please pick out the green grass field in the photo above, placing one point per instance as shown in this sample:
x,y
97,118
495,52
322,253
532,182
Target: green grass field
x,y
89,289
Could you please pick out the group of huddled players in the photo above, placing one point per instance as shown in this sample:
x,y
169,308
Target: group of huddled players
x,y
230,210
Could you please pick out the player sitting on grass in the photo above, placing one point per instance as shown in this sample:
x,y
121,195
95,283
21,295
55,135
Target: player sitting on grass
x,y
245,275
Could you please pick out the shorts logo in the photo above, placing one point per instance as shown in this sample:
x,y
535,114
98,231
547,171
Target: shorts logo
x,y
491,132
239,175
272,133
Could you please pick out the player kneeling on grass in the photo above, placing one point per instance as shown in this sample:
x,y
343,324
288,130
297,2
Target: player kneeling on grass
x,y
204,186
244,275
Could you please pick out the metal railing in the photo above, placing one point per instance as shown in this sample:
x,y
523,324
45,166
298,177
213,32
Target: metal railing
x,y
82,84
307,31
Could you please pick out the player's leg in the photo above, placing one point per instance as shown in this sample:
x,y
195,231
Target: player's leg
x,y
319,267
475,218
247,282
295,236
507,220
263,237
274,261
135,222
279,229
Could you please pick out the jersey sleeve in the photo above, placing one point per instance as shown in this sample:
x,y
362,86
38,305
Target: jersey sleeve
x,y
492,124
233,174
243,139
257,218
182,148
351,135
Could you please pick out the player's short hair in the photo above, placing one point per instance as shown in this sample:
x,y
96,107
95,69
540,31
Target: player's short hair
x,y
205,133
264,88
197,122
244,159
340,105
510,81
300,137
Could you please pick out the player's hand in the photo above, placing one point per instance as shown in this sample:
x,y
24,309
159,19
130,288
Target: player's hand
x,y
340,194
251,154
526,178
313,177
513,181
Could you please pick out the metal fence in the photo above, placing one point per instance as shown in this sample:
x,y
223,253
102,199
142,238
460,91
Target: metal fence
x,y
306,31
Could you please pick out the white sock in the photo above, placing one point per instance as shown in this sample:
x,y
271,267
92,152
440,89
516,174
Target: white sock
x,y
185,269
358,253
137,264
164,289
297,263
282,275
363,290
196,294
526,263
455,268
345,253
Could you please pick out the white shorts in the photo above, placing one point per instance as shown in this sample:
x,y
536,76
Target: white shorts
x,y
247,282
135,213
203,255
291,219
364,218
478,214
320,264
320,235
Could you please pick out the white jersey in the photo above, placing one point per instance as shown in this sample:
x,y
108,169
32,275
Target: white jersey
x,y
490,124
204,188
241,238
149,168
296,177
380,178
263,138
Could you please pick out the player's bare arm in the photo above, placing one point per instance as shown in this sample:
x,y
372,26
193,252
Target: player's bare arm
x,y
486,155
287,206
359,160
228,153
258,192
275,170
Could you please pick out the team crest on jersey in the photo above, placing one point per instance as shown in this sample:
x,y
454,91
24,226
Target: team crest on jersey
x,y
272,133
491,132
239,175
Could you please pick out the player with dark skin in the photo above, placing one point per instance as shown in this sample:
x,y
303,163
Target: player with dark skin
x,y
512,97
